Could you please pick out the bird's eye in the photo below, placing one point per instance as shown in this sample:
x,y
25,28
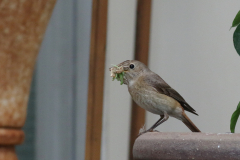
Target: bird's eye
x,y
131,66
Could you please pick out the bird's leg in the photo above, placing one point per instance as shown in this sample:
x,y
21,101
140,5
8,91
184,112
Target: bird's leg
x,y
155,124
162,119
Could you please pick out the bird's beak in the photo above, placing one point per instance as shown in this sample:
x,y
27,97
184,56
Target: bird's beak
x,y
125,68
124,64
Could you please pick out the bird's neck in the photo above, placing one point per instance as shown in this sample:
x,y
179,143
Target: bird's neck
x,y
135,80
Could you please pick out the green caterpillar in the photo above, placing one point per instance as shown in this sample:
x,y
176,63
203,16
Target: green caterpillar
x,y
118,76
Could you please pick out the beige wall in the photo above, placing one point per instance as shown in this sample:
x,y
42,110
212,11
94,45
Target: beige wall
x,y
191,49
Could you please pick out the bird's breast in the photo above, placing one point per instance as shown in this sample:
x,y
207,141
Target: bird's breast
x,y
149,99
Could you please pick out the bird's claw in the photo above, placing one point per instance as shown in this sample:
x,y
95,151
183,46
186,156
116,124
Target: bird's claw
x,y
143,130
149,130
141,133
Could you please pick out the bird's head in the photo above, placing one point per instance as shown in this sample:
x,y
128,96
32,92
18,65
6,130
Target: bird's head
x,y
132,69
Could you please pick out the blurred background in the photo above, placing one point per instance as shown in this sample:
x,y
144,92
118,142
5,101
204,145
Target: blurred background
x,y
190,47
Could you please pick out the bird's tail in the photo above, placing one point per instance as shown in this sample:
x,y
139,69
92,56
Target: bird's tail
x,y
189,123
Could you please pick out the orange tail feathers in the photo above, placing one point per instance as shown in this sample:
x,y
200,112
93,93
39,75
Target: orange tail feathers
x,y
189,123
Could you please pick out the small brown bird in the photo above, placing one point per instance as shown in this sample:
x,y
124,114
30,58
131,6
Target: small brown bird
x,y
153,94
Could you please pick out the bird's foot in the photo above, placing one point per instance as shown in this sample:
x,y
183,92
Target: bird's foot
x,y
149,130
143,130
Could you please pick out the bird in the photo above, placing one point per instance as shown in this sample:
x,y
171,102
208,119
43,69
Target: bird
x,y
153,94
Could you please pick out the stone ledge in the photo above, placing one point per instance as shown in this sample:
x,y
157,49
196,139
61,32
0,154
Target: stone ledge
x,y
173,145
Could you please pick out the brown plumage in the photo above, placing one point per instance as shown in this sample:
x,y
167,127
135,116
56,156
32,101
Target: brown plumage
x,y
152,93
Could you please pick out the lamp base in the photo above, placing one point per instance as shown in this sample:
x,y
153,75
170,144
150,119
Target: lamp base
x,y
8,139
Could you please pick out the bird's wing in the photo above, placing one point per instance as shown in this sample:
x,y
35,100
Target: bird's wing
x,y
162,87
